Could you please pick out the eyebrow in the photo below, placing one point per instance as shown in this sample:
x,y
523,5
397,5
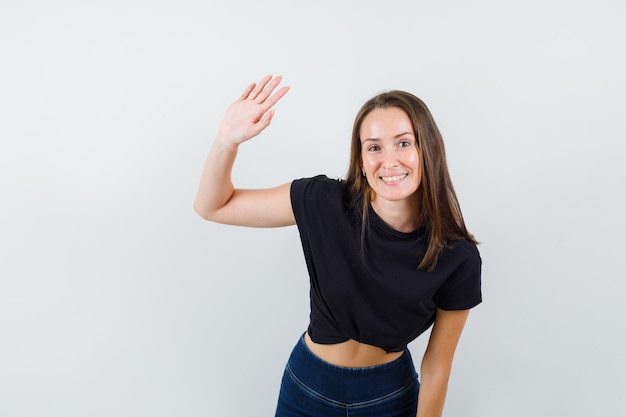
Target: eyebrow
x,y
399,135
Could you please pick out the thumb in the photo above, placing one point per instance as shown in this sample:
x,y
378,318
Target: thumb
x,y
266,119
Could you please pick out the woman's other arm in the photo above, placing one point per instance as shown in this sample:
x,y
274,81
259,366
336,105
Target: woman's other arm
x,y
217,199
437,361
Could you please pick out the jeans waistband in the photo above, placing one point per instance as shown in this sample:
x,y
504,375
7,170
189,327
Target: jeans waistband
x,y
350,384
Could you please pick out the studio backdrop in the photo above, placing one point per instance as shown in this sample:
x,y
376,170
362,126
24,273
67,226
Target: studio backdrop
x,y
116,299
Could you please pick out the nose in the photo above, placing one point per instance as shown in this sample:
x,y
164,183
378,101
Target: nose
x,y
390,158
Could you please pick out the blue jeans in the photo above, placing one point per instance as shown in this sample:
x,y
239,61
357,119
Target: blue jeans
x,y
312,387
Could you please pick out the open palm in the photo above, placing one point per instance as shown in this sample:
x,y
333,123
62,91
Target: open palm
x,y
252,112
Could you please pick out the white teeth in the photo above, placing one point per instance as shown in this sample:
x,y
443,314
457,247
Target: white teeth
x,y
393,179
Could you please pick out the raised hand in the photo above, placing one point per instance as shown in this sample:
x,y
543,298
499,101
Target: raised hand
x,y
217,199
252,112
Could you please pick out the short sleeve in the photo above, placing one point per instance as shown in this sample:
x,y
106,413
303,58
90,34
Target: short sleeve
x,y
310,195
462,289
298,199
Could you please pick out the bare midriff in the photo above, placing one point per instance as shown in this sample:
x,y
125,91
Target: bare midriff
x,y
350,354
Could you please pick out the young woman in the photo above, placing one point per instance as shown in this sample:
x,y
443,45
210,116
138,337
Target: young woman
x,y
387,252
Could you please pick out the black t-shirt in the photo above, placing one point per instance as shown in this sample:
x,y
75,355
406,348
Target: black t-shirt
x,y
382,300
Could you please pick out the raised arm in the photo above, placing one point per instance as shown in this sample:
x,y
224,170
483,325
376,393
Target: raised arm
x,y
217,199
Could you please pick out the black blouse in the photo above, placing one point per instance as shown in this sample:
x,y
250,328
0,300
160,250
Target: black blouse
x,y
383,299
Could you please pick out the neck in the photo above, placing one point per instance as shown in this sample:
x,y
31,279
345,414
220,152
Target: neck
x,y
402,216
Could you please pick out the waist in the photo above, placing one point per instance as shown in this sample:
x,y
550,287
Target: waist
x,y
351,384
350,354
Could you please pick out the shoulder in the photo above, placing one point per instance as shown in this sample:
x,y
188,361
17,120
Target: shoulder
x,y
317,197
316,187
460,260
461,251
317,181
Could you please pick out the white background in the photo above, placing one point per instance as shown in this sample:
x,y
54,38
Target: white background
x,y
116,299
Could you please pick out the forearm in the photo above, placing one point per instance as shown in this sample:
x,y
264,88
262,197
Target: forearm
x,y
432,395
216,187
437,362
244,119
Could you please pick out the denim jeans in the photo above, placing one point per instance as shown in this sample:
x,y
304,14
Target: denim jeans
x,y
312,387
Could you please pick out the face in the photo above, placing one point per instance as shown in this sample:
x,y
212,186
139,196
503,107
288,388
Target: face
x,y
389,154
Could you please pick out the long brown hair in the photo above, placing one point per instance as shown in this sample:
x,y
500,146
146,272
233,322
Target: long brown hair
x,y
440,210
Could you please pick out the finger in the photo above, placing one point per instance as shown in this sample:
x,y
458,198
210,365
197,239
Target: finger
x,y
247,91
266,120
259,87
273,99
268,89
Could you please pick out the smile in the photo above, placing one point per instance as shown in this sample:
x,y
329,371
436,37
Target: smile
x,y
395,178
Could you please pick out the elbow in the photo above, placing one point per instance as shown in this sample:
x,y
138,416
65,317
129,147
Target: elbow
x,y
203,212
437,371
436,377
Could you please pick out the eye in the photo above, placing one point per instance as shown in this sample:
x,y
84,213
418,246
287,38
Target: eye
x,y
404,144
373,148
